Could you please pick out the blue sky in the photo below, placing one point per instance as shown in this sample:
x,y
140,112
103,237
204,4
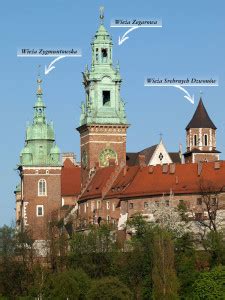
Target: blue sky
x,y
191,43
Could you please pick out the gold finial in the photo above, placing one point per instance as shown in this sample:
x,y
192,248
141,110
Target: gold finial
x,y
101,14
39,81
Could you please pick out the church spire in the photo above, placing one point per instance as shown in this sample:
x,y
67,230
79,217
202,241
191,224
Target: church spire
x,y
40,148
201,118
39,107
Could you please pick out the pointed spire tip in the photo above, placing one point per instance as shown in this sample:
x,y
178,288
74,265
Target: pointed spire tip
x,y
39,82
101,16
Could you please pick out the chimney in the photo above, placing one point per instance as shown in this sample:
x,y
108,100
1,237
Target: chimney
x,y
199,168
150,169
165,168
172,168
217,165
141,160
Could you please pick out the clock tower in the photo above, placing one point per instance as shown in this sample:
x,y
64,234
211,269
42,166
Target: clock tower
x,y
103,122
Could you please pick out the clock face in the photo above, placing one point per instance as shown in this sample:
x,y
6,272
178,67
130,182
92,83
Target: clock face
x,y
105,156
84,159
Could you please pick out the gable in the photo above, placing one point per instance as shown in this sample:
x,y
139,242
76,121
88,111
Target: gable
x,y
160,156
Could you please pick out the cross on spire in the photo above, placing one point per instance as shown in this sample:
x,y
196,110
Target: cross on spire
x,y
161,135
101,16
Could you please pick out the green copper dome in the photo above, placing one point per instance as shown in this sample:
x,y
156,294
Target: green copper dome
x,y
40,148
55,150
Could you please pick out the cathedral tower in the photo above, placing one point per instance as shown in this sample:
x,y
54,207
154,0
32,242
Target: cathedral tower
x,y
103,122
40,172
201,137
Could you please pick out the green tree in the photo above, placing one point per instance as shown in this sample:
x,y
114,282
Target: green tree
x,y
210,285
165,282
71,284
109,288
94,252
214,244
185,261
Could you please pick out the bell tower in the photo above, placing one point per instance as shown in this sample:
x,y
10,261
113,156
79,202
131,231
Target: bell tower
x,y
40,173
201,137
103,122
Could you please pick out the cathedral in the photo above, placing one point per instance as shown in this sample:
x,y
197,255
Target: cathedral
x,y
110,184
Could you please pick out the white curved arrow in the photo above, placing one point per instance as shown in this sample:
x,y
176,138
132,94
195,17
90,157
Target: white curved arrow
x,y
188,96
51,67
124,37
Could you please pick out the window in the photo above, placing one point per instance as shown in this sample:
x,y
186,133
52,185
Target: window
x,y
40,210
206,139
198,216
107,205
106,98
104,54
42,187
199,201
160,156
92,206
108,219
98,204
145,205
131,205
96,54
214,202
195,139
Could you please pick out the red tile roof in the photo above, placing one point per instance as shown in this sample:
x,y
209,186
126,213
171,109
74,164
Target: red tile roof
x,y
184,180
71,179
94,188
139,181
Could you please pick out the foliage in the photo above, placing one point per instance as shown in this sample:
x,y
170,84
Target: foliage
x,y
69,284
165,282
109,288
210,285
156,262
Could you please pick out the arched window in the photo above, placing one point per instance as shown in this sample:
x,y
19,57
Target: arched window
x,y
42,187
206,139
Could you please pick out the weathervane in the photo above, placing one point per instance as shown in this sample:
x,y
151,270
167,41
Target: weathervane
x,y
101,14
